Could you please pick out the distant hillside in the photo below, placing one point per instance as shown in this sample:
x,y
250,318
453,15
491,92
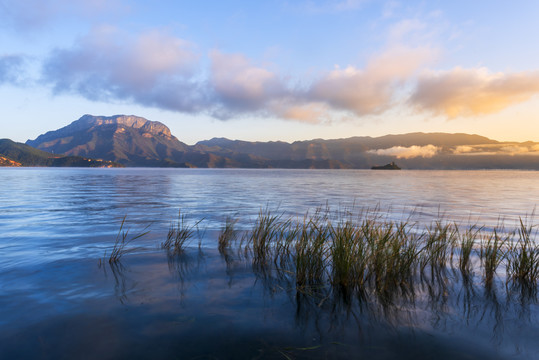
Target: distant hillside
x,y
135,141
349,153
18,154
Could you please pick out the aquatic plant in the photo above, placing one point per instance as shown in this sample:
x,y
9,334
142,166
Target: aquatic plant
x,y
310,251
493,252
179,234
466,245
228,233
523,257
268,228
121,242
438,245
365,253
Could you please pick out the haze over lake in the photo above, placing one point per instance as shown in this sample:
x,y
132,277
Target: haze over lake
x,y
57,224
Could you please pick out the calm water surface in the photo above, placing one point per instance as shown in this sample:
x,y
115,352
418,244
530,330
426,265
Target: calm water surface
x,y
56,302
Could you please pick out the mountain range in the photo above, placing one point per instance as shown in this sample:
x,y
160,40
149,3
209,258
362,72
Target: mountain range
x,y
135,141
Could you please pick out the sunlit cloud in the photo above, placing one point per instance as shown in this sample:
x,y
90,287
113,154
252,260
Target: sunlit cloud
x,y
401,152
471,92
370,90
463,149
152,68
308,112
241,85
160,70
497,149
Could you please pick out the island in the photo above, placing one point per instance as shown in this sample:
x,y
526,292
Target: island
x,y
390,166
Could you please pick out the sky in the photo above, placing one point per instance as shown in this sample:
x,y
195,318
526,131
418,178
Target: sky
x,y
271,70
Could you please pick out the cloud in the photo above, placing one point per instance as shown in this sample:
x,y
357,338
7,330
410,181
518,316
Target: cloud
x,y
12,69
152,68
463,149
401,152
242,86
159,70
497,149
308,112
370,90
471,92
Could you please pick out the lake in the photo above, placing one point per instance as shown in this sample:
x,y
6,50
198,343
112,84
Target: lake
x,y
60,299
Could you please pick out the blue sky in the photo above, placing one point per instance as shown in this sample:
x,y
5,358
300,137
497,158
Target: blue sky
x,y
273,70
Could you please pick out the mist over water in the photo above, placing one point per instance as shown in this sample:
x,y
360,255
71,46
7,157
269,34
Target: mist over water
x,y
56,224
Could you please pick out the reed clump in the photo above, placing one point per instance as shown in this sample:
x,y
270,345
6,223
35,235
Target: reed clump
x,y
310,250
370,253
466,243
228,234
180,234
523,257
493,252
366,253
121,243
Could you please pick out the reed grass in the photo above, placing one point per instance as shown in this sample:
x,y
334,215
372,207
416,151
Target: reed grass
x,y
310,251
121,243
438,247
467,242
180,234
366,253
523,257
493,252
228,234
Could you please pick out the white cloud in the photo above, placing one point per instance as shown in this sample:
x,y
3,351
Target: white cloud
x,y
401,152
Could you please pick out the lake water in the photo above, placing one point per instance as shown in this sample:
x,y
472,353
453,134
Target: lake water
x,y
57,302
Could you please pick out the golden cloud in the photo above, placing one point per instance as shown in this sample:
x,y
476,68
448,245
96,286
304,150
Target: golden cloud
x,y
370,90
469,92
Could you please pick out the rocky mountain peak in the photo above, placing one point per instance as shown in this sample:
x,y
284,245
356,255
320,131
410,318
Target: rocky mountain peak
x,y
145,126
137,122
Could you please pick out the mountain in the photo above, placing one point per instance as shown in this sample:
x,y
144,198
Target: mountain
x,y
135,141
410,151
129,140
18,154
